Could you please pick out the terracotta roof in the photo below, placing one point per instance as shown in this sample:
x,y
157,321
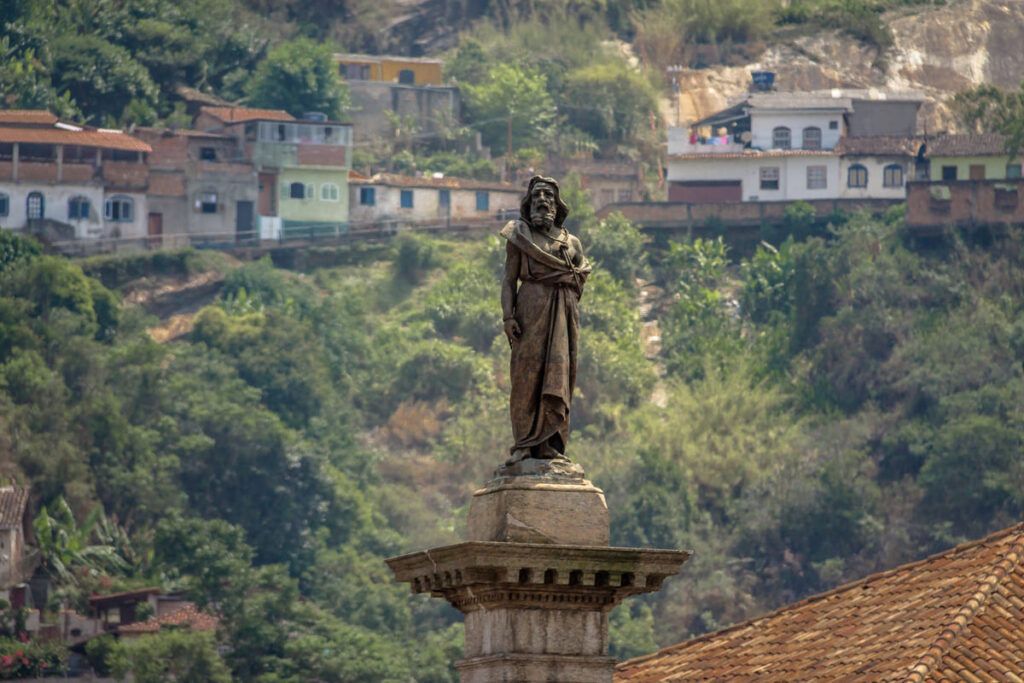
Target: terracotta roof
x,y
181,132
756,154
13,500
112,599
28,116
243,114
187,615
879,145
955,616
447,182
84,138
967,145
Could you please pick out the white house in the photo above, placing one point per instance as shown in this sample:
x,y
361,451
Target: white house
x,y
69,182
389,199
777,146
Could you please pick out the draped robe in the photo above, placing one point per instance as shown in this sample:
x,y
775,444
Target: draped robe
x,y
543,365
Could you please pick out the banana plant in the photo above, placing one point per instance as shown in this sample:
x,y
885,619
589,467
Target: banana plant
x,y
67,549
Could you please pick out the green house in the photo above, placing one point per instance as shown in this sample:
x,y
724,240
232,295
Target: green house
x,y
970,157
302,168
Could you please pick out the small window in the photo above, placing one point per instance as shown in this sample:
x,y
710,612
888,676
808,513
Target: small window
x,y
625,195
5,204
207,202
781,138
769,177
329,192
407,77
949,172
78,209
892,176
6,151
343,70
812,137
35,206
833,125
1013,171
208,154
119,209
406,199
857,176
297,191
282,132
367,196
444,197
817,178
309,191
483,201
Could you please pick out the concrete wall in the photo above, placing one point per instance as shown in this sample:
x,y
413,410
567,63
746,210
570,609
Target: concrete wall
x,y
792,175
11,551
876,176
883,117
430,107
763,123
426,205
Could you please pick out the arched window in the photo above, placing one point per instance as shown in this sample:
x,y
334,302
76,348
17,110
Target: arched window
x,y
5,204
892,175
782,138
119,209
297,191
78,208
857,176
329,192
35,206
407,77
812,137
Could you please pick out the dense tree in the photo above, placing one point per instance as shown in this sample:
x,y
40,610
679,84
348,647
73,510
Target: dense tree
x,y
299,76
510,107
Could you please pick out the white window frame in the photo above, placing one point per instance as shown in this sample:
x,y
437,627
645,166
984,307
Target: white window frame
x,y
777,137
329,192
817,177
816,144
769,174
888,170
850,173
123,201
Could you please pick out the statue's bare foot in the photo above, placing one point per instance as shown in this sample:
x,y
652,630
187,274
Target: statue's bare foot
x,y
518,455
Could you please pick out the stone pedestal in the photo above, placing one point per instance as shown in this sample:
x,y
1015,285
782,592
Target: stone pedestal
x,y
537,579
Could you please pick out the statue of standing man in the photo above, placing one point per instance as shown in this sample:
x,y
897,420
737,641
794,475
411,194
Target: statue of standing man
x,y
545,271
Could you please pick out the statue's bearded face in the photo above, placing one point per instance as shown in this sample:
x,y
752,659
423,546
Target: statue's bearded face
x,y
542,205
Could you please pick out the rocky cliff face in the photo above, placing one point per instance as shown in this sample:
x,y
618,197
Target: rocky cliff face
x,y
938,50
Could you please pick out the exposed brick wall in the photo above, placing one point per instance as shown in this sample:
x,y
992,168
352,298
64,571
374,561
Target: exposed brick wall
x,y
970,202
321,155
125,175
38,171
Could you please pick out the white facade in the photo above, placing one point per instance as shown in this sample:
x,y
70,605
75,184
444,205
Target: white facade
x,y
57,206
372,203
792,174
763,125
875,168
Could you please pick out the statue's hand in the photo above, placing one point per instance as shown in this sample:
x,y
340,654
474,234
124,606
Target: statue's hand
x,y
512,331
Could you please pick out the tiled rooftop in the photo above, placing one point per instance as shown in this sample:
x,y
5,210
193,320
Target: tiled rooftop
x,y
187,615
62,136
243,114
879,145
13,499
955,616
755,154
970,144
448,182
37,117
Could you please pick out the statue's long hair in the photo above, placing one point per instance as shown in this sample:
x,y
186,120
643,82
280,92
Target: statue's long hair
x,y
561,209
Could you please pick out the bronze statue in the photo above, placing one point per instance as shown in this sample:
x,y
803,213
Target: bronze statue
x,y
542,320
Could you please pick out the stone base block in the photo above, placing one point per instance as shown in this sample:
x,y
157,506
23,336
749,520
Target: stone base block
x,y
511,668
512,630
528,509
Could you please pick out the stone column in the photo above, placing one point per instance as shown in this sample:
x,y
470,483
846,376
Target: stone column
x,y
537,579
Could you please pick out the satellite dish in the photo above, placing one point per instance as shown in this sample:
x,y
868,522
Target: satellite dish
x,y
745,136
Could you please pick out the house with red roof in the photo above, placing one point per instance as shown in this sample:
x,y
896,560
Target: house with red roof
x,y
67,182
955,616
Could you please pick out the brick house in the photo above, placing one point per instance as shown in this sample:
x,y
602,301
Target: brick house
x,y
15,530
201,187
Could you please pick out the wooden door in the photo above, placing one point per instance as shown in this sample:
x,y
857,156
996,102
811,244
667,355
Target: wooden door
x,y
244,229
155,229
977,172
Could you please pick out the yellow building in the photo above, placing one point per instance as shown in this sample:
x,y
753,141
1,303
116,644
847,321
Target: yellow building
x,y
404,70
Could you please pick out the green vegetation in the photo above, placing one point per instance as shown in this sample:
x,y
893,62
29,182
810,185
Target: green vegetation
x,y
826,408
299,76
988,109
